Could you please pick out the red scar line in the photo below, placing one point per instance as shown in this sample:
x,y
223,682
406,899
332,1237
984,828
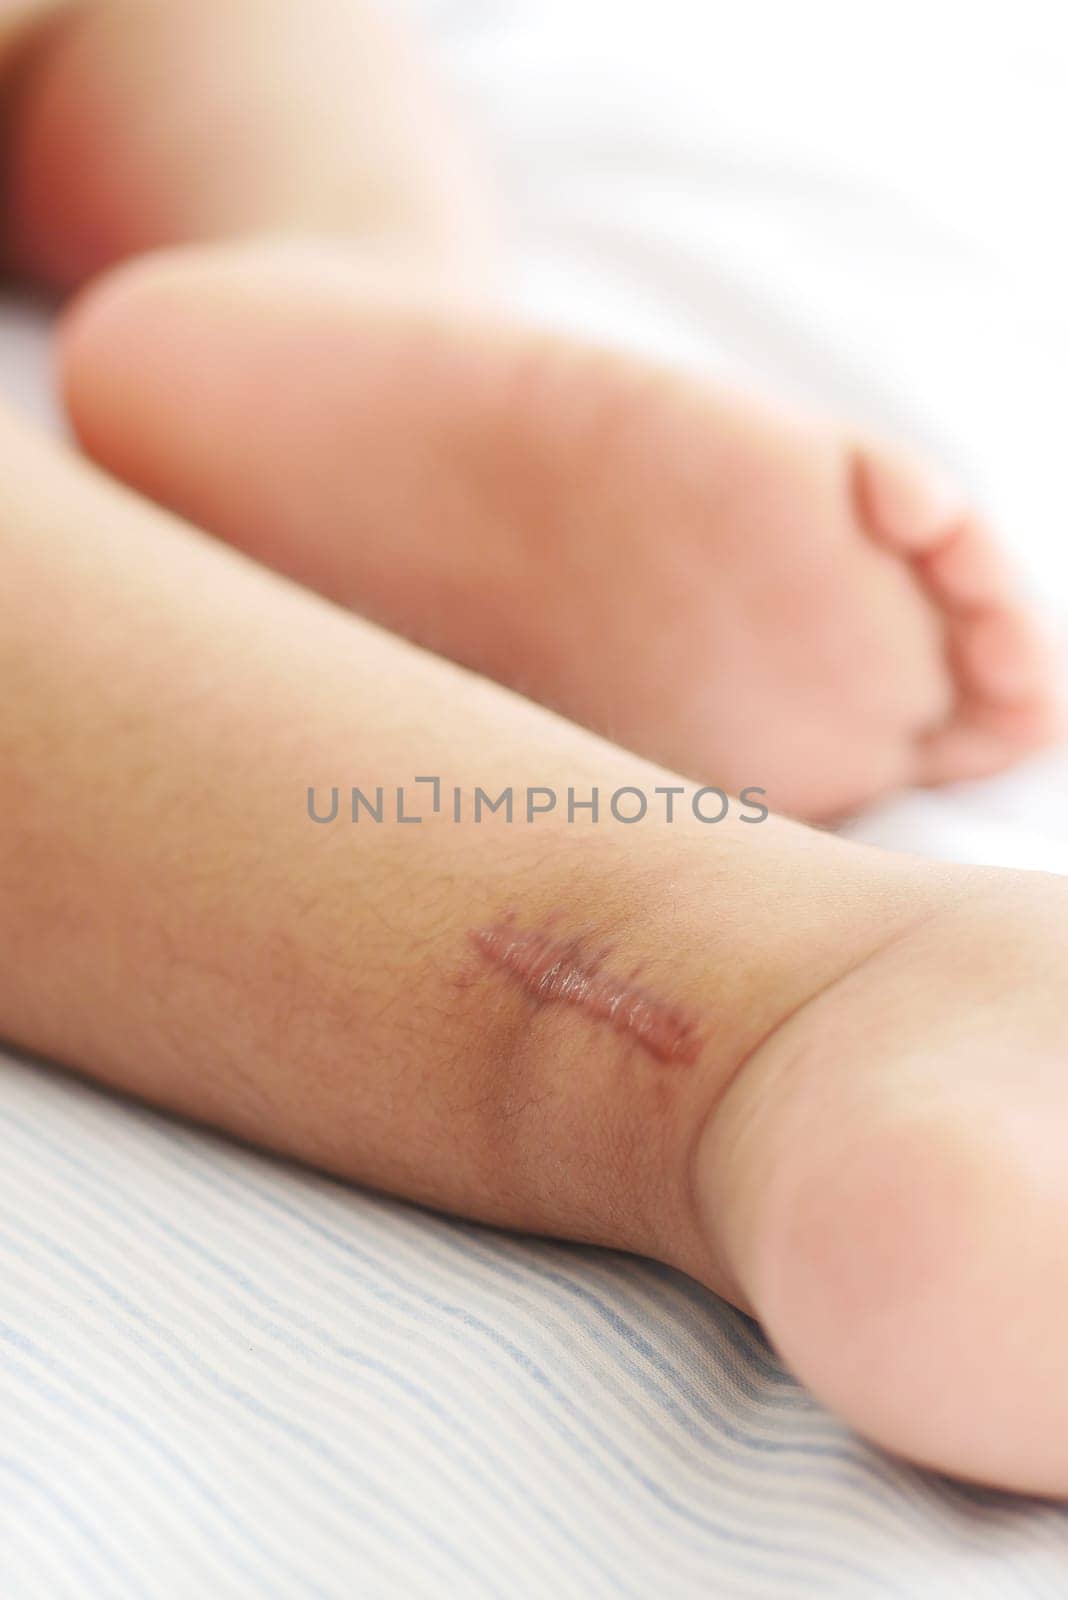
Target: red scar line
x,y
559,971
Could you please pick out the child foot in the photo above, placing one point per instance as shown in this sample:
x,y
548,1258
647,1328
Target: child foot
x,y
744,597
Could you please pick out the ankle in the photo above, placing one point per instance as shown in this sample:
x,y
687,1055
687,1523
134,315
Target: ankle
x,y
666,1144
796,1025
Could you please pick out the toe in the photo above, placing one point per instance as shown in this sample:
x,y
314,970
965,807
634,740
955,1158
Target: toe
x,y
901,505
999,655
982,740
1007,706
964,569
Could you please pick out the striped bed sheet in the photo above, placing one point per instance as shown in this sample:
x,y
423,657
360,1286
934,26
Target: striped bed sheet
x,y
222,1375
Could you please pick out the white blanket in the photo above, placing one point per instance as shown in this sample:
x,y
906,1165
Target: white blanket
x,y
222,1376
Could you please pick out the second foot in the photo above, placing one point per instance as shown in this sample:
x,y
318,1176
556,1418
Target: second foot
x,y
744,597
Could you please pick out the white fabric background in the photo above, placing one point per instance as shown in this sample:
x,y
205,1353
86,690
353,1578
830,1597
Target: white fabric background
x,y
222,1376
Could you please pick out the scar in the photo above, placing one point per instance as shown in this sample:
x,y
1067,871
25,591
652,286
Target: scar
x,y
562,971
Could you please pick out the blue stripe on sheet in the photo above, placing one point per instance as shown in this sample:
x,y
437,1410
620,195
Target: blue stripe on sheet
x,y
221,1375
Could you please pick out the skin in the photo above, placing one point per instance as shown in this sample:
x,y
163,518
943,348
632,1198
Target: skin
x,y
861,1143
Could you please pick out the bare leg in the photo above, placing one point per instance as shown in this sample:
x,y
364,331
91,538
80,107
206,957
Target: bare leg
x,y
137,123
827,1081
